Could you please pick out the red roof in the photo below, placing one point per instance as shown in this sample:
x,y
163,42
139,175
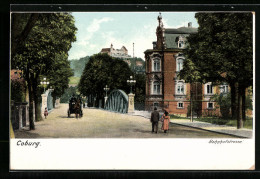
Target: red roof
x,y
105,50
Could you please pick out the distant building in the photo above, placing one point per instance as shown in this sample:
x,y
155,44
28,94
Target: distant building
x,y
118,53
136,64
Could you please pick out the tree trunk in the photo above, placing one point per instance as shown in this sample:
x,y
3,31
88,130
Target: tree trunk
x,y
32,127
191,109
239,107
243,104
36,99
233,100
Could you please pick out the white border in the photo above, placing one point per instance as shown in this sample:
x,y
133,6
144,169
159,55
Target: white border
x,y
138,154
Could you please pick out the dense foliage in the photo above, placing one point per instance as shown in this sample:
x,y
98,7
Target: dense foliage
x,y
43,51
18,90
68,94
221,51
103,70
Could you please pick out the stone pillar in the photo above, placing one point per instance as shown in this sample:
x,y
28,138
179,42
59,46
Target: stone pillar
x,y
27,114
105,100
20,111
131,103
44,104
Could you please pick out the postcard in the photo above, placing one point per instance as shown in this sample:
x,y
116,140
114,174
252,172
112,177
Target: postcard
x,y
132,90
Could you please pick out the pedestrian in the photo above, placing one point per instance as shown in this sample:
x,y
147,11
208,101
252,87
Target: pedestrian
x,y
165,121
45,113
155,120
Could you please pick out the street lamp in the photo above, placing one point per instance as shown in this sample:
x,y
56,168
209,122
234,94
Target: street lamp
x,y
106,89
131,82
44,83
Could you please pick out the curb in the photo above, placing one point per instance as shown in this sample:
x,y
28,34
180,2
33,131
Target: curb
x,y
211,130
218,132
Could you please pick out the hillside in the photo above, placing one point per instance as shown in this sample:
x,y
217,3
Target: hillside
x,y
78,65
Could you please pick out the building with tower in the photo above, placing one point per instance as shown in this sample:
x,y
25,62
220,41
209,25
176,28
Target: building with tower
x,y
118,53
164,88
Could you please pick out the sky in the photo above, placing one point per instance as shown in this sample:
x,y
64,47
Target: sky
x,y
97,30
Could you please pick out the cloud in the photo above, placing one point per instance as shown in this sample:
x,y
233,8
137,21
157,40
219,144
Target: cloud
x,y
83,44
95,25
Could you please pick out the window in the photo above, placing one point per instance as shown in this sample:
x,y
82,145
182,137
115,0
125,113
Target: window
x,y
224,88
156,87
180,88
181,44
180,105
209,89
179,64
156,65
181,41
210,105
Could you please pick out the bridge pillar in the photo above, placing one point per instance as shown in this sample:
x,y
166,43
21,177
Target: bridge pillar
x,y
131,103
105,99
44,104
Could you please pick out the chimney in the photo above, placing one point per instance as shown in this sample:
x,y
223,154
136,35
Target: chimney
x,y
190,25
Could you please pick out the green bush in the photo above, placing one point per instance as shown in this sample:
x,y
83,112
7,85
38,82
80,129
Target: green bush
x,y
17,91
224,103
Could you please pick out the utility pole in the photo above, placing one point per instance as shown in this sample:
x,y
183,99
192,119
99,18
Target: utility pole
x,y
133,50
191,109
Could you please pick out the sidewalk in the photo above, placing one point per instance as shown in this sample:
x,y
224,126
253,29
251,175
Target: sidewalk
x,y
223,129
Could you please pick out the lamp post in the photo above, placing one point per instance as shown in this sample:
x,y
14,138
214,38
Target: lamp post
x,y
131,107
131,82
106,89
44,83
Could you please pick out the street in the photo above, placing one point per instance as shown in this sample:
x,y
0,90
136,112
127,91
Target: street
x,y
98,123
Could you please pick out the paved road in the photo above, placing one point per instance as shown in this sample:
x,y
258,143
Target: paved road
x,y
97,123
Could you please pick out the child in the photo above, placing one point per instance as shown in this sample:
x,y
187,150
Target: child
x,y
45,113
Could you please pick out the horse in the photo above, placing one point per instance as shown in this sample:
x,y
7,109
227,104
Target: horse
x,y
77,108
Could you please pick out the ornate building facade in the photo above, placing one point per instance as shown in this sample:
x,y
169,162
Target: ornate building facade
x,y
164,88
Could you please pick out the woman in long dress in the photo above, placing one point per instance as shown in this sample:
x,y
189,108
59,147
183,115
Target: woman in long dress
x,y
165,121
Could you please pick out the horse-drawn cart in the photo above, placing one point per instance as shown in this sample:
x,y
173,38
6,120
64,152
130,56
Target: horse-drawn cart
x,y
75,106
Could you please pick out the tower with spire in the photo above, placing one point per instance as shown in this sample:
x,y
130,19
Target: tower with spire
x,y
159,33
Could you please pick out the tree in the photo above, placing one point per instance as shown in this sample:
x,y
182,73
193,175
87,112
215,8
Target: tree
x,y
221,51
59,74
102,70
51,35
139,91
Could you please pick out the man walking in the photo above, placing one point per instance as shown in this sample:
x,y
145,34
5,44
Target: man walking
x,y
155,119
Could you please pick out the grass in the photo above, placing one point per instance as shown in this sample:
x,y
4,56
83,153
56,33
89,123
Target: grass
x,y
248,124
229,122
74,80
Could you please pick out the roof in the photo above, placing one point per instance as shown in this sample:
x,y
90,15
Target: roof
x,y
105,50
171,35
181,30
123,47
